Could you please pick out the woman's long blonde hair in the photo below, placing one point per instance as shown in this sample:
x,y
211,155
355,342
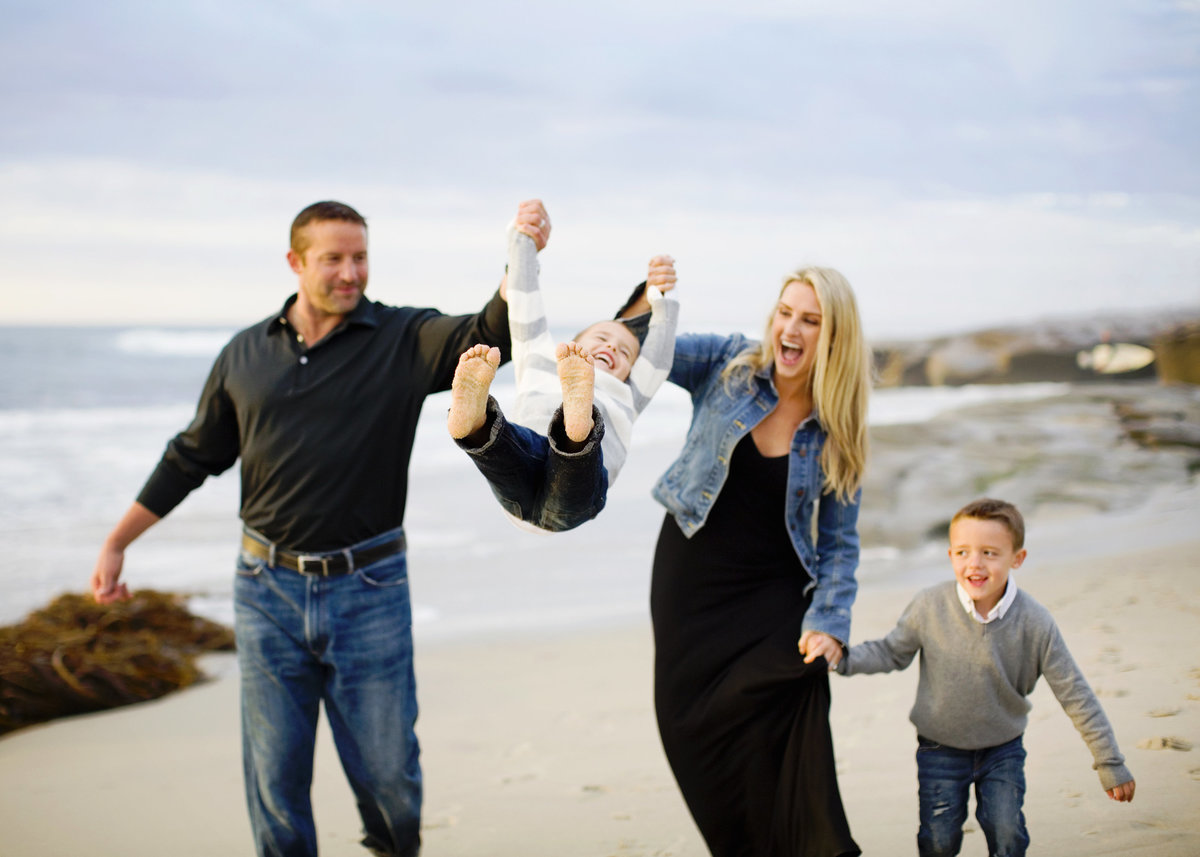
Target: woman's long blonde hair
x,y
841,376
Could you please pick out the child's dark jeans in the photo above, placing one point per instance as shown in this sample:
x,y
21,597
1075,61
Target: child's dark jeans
x,y
944,778
532,476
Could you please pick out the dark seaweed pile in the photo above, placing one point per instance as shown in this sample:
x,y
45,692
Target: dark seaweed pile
x,y
75,656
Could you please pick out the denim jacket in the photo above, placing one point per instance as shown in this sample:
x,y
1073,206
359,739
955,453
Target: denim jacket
x,y
719,420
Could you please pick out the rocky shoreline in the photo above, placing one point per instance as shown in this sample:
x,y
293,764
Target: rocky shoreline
x,y
1163,345
1097,447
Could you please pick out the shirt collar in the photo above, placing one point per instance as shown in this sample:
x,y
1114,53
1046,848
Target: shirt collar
x,y
997,612
365,314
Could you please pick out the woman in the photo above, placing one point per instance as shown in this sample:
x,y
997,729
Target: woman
x,y
754,572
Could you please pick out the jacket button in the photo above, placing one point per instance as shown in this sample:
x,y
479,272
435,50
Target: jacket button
x,y
799,492
803,452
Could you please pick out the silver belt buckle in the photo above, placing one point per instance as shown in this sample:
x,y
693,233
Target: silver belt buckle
x,y
323,561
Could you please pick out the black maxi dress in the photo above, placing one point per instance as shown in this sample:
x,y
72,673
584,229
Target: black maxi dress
x,y
743,720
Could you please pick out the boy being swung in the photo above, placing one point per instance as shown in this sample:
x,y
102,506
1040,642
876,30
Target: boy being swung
x,y
984,643
584,395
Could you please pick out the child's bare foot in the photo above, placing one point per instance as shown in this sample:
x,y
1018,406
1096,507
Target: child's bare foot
x,y
469,391
577,374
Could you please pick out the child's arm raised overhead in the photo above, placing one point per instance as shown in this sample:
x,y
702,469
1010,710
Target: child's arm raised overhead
x,y
532,344
654,359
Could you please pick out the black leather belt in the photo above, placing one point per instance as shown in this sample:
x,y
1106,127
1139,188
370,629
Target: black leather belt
x,y
328,564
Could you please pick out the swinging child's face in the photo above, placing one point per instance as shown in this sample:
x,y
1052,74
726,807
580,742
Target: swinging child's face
x,y
982,554
613,347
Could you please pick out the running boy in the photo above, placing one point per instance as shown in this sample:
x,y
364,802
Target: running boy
x,y
983,645
559,480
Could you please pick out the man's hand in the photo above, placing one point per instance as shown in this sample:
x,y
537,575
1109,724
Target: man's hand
x,y
814,644
1123,792
106,585
661,274
533,220
106,577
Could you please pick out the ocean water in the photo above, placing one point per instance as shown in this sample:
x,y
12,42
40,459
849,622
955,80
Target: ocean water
x,y
85,413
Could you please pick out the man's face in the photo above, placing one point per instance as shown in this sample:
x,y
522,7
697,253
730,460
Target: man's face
x,y
982,554
613,347
333,268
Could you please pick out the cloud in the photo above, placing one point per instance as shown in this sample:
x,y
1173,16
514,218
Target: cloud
x,y
155,245
153,151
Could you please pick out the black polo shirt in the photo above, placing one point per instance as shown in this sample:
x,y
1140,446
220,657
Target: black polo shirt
x,y
324,433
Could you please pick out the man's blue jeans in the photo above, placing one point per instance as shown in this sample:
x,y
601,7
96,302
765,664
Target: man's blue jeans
x,y
534,479
345,641
944,778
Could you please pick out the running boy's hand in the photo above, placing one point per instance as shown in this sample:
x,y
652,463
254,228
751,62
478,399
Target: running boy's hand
x,y
1123,792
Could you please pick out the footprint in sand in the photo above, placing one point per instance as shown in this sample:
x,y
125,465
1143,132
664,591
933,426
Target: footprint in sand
x,y
439,822
1170,742
1163,712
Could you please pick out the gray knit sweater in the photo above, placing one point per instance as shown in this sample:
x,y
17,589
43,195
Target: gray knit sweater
x,y
975,677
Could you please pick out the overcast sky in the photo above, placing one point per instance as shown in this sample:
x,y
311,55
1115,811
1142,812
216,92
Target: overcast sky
x,y
964,163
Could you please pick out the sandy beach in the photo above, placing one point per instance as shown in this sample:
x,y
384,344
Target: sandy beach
x,y
546,745
543,742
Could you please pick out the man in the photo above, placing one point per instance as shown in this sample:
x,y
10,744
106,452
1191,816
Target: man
x,y
320,402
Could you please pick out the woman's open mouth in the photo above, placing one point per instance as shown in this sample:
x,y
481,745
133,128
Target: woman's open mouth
x,y
790,352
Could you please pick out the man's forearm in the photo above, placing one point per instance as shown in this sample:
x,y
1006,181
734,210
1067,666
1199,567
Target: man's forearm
x,y
136,520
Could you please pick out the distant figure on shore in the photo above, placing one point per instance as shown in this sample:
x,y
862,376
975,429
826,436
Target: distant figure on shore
x,y
585,396
754,572
984,644
320,402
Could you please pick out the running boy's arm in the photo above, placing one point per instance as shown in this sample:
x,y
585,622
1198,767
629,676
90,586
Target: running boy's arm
x,y
1080,703
893,652
653,362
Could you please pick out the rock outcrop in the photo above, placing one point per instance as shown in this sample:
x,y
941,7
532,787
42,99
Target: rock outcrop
x,y
1095,448
1178,351
1094,348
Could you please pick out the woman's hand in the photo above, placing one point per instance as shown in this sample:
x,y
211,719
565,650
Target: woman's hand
x,y
661,273
814,644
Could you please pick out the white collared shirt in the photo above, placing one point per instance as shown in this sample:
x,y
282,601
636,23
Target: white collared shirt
x,y
1010,595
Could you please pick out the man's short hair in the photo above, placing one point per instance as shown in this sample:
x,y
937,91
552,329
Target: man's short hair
x,y
327,210
987,509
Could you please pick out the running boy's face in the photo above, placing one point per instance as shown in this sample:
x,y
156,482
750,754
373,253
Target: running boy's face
x,y
612,345
982,554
